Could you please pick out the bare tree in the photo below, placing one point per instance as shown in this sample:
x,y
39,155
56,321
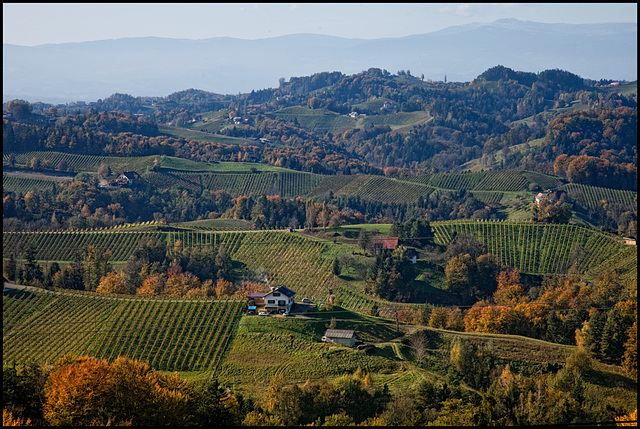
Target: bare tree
x,y
418,343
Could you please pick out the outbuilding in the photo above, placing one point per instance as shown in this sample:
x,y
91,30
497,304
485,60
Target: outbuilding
x,y
345,337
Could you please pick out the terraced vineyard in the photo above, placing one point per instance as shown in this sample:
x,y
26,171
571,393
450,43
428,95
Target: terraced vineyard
x,y
305,264
488,197
185,335
536,248
288,259
590,197
293,184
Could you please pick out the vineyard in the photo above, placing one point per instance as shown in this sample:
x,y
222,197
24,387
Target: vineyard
x,y
373,188
171,335
592,197
61,246
488,197
22,185
287,259
503,180
536,248
286,184
77,163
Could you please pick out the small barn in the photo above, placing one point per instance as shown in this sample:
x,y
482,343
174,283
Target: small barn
x,y
345,337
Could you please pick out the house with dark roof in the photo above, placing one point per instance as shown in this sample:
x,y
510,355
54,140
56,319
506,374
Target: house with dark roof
x,y
127,178
279,300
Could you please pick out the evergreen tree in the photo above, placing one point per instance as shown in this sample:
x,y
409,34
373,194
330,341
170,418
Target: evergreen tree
x,y
96,265
32,273
336,267
593,336
614,334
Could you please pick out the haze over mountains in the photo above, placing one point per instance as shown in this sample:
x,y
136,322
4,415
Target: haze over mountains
x,y
152,66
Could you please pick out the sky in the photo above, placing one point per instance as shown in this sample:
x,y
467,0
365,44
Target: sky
x,y
31,24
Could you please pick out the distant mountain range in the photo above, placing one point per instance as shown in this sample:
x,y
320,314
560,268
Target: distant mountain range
x,y
152,66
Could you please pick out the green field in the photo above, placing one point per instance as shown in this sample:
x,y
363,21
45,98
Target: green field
x,y
323,121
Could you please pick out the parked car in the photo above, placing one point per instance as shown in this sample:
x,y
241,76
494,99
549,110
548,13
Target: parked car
x,y
306,301
263,312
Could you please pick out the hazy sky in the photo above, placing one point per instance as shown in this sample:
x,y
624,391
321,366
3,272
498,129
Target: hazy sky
x,y
30,24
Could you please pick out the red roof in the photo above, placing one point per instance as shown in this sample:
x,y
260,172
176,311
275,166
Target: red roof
x,y
385,242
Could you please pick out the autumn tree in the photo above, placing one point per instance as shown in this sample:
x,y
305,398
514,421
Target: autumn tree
x,y
630,356
547,212
88,391
510,289
153,285
113,283
104,171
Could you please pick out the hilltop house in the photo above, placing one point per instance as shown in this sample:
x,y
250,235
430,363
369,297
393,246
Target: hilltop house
x,y
345,337
279,300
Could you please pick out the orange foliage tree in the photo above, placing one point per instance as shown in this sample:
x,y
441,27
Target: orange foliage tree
x,y
89,391
113,283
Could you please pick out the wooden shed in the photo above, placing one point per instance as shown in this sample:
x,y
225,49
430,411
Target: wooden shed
x,y
346,337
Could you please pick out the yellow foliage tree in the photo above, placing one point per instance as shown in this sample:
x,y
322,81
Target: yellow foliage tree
x,y
113,283
8,419
630,419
